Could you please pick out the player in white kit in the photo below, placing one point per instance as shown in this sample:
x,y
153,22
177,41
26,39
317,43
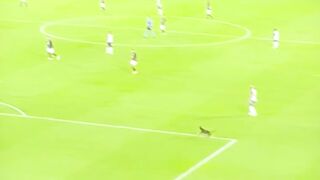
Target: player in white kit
x,y
276,39
159,7
24,3
51,52
252,101
109,48
133,62
209,10
163,24
102,5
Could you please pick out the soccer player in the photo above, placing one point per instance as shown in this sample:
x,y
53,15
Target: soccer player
x,y
102,5
209,10
109,48
159,8
149,31
163,24
252,101
158,2
134,62
276,39
51,52
23,3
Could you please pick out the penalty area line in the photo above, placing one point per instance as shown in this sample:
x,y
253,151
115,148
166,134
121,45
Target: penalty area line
x,y
86,123
229,143
206,160
14,108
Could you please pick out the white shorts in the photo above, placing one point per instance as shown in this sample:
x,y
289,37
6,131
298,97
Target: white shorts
x,y
50,50
162,27
209,12
102,5
253,99
133,63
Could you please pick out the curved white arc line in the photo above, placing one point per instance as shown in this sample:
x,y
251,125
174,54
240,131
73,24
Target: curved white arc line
x,y
42,30
308,42
245,36
140,29
287,41
14,108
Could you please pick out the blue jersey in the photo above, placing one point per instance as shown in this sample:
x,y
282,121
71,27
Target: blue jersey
x,y
149,23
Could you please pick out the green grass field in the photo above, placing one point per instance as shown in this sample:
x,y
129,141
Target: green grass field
x,y
114,125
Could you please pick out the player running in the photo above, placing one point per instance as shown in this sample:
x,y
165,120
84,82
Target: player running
x,y
276,39
209,10
109,48
102,5
252,101
134,62
163,24
51,52
149,31
23,3
159,8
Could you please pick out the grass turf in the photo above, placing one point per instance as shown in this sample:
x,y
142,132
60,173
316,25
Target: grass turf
x,y
177,89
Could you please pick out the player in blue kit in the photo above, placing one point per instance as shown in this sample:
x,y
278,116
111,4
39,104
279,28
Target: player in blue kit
x,y
149,32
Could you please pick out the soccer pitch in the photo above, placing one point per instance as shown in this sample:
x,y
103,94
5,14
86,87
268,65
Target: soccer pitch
x,y
87,116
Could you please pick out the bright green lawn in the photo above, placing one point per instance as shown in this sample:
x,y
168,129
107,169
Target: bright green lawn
x,y
177,89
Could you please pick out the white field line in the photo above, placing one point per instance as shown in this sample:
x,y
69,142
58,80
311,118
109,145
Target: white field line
x,y
141,29
307,42
235,38
84,123
287,41
23,114
246,35
206,160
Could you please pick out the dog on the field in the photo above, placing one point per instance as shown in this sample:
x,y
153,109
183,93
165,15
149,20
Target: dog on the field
x,y
204,131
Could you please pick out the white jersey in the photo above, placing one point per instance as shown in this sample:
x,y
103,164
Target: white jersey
x,y
162,27
253,94
276,36
102,4
109,38
158,2
50,50
209,11
133,63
